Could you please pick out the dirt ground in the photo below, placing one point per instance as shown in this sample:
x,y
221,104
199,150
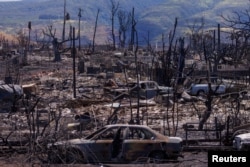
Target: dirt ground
x,y
191,159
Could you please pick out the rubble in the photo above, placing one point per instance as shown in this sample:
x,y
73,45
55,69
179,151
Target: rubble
x,y
54,106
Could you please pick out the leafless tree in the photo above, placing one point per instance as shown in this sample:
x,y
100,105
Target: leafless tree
x,y
240,35
209,99
166,58
22,43
22,38
133,25
114,9
124,19
195,34
57,45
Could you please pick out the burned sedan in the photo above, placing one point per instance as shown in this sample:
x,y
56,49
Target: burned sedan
x,y
119,143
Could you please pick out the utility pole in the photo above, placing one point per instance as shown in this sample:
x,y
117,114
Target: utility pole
x,y
73,52
96,20
29,26
65,17
132,40
79,36
218,38
148,41
64,20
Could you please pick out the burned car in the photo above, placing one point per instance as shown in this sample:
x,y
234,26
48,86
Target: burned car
x,y
242,142
199,89
149,89
146,89
118,143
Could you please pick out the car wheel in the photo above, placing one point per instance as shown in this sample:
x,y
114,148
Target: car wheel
x,y
200,93
62,156
73,156
55,156
157,155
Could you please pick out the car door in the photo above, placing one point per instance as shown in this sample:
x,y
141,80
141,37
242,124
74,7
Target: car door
x,y
148,90
138,143
101,146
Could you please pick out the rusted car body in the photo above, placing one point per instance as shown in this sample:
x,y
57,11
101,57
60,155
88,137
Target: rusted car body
x,y
147,89
121,143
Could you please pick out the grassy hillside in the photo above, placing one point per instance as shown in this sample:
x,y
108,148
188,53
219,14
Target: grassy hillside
x,y
161,17
190,10
156,16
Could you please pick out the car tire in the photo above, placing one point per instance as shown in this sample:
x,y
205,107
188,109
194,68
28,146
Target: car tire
x,y
73,156
157,156
54,156
62,156
200,93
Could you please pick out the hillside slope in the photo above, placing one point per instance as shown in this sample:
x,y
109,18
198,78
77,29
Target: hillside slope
x,y
154,16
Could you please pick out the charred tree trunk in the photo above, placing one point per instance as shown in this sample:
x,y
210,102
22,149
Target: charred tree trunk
x,y
113,33
208,102
96,20
217,57
114,8
181,62
131,45
56,50
57,45
138,79
124,22
208,111
168,74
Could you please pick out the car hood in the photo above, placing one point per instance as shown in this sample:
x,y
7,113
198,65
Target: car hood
x,y
72,141
164,88
175,139
244,136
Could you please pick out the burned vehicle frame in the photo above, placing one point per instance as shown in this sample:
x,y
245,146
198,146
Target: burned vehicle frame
x,y
119,143
146,89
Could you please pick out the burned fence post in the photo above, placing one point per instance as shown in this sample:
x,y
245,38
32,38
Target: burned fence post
x,y
81,66
216,127
227,140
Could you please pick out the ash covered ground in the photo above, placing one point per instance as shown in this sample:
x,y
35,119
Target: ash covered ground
x,y
52,99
